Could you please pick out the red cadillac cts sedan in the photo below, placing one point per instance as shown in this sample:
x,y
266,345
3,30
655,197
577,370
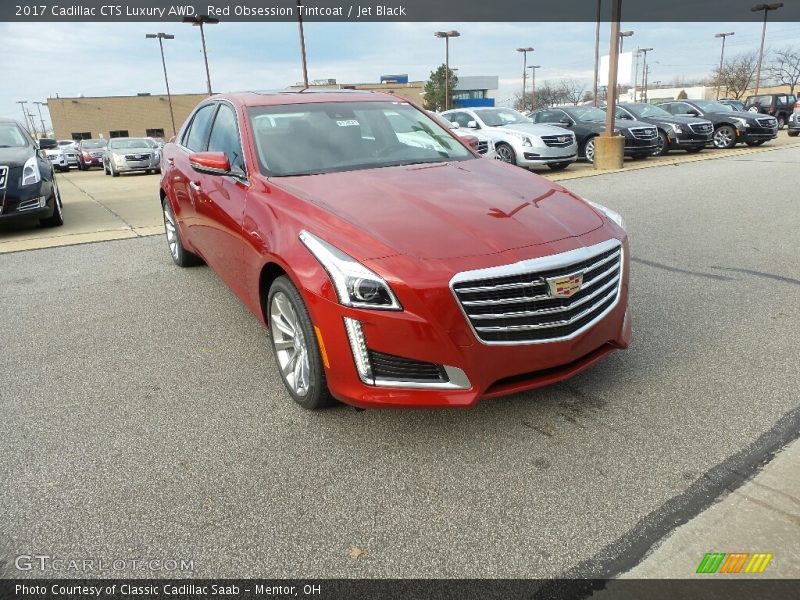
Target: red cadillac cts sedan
x,y
393,266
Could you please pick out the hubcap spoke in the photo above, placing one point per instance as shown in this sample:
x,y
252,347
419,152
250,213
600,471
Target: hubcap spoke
x,y
289,343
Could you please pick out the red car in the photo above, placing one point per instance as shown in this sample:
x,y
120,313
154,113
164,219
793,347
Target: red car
x,y
393,265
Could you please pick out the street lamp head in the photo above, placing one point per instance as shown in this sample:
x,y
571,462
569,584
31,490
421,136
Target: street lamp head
x,y
645,49
765,7
201,20
722,35
528,49
625,33
163,36
535,67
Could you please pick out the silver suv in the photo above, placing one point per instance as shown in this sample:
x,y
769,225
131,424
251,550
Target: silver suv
x,y
517,139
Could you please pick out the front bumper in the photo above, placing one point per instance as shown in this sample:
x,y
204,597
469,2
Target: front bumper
x,y
94,161
29,202
129,166
432,329
638,146
756,134
681,140
539,153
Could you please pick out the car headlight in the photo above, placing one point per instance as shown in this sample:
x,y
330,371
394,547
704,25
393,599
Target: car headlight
x,y
355,284
30,172
676,128
613,215
742,122
119,158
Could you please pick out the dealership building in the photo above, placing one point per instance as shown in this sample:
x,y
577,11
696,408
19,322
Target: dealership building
x,y
148,115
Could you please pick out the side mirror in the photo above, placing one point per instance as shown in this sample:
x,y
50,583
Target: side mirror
x,y
210,163
47,144
473,125
565,121
625,116
692,113
454,125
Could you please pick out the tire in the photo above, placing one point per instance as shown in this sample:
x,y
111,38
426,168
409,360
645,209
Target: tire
x,y
105,169
295,346
663,144
148,172
640,156
793,133
588,149
180,256
506,153
695,149
559,166
756,143
57,219
781,122
114,172
724,137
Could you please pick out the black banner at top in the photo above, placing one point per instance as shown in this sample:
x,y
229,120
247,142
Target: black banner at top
x,y
394,10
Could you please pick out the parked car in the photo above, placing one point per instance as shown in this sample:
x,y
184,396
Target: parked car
x,y
778,105
517,139
733,104
391,274
125,155
54,153
70,151
484,147
674,132
730,127
794,121
28,188
587,122
90,154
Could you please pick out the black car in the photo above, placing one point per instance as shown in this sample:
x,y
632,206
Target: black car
x,y
734,104
28,187
778,105
587,122
674,132
731,127
90,154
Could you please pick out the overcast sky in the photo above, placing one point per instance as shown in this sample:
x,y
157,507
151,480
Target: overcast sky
x,y
97,59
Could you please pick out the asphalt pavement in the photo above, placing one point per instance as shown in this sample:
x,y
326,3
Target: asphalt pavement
x,y
143,417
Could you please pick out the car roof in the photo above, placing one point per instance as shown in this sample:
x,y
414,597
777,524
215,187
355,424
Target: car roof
x,y
304,96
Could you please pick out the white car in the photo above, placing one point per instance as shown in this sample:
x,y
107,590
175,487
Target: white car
x,y
485,145
70,151
517,139
58,158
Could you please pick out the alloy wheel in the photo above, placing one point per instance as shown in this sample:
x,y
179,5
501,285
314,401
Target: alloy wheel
x,y
505,154
172,233
290,344
589,150
723,137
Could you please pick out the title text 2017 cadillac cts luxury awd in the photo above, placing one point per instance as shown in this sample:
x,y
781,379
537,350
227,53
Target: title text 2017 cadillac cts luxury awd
x,y
392,274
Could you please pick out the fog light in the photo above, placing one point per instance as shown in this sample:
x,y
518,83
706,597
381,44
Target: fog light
x,y
358,346
33,204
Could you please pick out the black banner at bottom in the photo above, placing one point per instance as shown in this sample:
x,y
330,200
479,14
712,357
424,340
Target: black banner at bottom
x,y
712,588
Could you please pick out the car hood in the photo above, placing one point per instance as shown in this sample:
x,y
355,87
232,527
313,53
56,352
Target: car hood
x,y
14,157
674,120
742,114
538,129
447,210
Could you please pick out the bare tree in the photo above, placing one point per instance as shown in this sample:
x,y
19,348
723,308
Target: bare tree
x,y
736,74
571,90
547,94
785,67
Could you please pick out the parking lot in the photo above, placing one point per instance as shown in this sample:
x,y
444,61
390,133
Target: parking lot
x,y
143,416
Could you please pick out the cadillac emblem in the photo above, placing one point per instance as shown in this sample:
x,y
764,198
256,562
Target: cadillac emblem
x,y
566,286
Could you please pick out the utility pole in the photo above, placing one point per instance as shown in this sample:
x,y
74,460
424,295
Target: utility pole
x,y
721,57
199,21
447,35
533,85
39,105
766,8
302,43
596,54
161,37
636,74
524,69
644,73
22,103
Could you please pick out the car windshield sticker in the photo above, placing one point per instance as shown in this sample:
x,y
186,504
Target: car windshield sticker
x,y
348,123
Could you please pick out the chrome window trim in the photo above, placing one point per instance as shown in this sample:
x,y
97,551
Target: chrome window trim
x,y
544,263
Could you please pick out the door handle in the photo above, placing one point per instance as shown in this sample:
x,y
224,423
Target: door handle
x,y
194,185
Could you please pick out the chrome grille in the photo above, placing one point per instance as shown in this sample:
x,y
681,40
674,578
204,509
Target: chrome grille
x,y
558,141
96,154
3,177
483,147
701,127
137,157
513,304
768,122
644,133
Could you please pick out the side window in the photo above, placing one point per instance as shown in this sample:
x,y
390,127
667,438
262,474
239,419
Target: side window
x,y
225,136
196,137
620,114
549,116
461,118
670,108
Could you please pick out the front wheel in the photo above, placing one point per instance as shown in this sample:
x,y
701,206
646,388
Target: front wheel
x,y
662,144
295,346
180,256
588,150
793,133
506,153
781,122
57,219
640,156
756,143
725,137
559,166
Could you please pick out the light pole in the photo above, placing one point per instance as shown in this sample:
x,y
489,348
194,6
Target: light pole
x,y
622,36
524,69
596,53
721,57
39,105
161,37
533,85
447,35
302,42
644,73
766,8
22,103
199,21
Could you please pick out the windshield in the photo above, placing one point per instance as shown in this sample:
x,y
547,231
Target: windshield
x,y
642,111
306,139
11,136
129,144
728,106
587,113
498,117
65,143
709,106
93,144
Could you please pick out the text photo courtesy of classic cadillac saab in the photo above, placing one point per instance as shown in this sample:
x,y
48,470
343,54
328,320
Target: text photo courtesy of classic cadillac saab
x,y
392,274
28,188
